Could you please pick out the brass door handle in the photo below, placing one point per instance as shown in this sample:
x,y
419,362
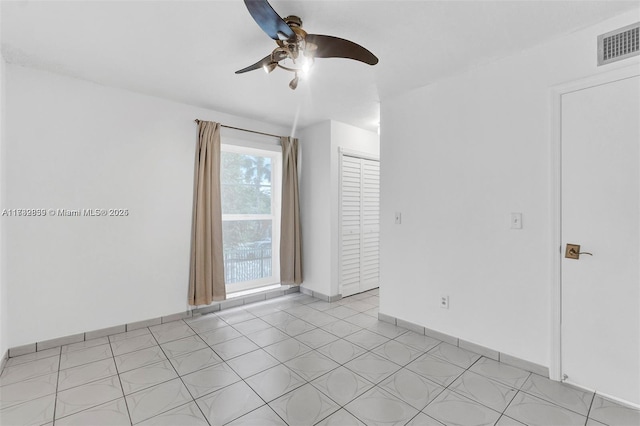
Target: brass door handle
x,y
573,251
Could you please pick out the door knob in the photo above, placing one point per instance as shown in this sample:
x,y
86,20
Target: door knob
x,y
573,251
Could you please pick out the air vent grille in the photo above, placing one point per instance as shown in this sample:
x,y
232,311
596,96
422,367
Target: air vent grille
x,y
619,44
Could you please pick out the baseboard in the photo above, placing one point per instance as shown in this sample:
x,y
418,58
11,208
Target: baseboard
x,y
94,334
321,296
604,396
3,361
463,344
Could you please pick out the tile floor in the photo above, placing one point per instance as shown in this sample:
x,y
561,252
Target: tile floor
x,y
288,361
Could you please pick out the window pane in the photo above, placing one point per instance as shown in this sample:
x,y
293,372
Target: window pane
x,y
245,184
247,250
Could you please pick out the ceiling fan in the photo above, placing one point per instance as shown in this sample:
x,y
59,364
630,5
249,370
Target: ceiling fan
x,y
297,50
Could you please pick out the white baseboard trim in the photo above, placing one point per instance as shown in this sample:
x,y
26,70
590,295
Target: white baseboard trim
x,y
463,344
94,334
321,296
3,361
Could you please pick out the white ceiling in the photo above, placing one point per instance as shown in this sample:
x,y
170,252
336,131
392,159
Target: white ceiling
x,y
188,50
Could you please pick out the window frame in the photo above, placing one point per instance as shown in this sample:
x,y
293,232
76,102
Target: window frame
x,y
275,154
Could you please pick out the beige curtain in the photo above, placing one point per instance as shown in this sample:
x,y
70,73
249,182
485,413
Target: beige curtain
x,y
206,278
290,232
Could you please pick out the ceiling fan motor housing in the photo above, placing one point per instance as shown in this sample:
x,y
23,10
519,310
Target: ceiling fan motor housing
x,y
293,20
293,40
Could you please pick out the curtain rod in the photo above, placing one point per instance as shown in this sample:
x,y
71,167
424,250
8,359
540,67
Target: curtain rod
x,y
245,130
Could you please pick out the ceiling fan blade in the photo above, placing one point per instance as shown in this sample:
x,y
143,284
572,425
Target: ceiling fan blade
x,y
335,47
261,63
269,20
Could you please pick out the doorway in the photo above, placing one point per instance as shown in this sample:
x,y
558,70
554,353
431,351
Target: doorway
x,y
597,323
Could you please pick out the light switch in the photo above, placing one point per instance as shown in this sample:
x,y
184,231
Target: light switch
x,y
398,218
516,220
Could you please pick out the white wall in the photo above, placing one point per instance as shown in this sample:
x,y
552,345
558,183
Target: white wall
x,y
320,145
72,144
315,199
3,298
457,157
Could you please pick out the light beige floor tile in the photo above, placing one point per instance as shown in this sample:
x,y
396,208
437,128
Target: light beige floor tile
x,y
133,360
503,373
559,393
230,403
411,388
184,415
133,344
86,373
311,365
342,385
34,356
316,338
84,345
263,416
171,331
268,337
455,355
435,369
220,335
129,334
179,347
611,413
35,412
397,352
87,396
251,326
534,411
341,418
195,361
341,351
372,367
210,379
287,349
455,410
29,370
252,363
147,376
366,339
418,341
275,382
423,420
158,399
341,328
113,413
27,390
304,406
377,407
483,390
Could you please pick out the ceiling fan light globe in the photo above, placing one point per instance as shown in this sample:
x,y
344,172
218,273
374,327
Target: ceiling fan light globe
x,y
279,54
269,67
294,83
305,69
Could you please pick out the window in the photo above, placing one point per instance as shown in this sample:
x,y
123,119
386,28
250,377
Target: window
x,y
250,187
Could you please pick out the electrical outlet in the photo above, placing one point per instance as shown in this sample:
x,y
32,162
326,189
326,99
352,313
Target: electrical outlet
x,y
444,302
398,218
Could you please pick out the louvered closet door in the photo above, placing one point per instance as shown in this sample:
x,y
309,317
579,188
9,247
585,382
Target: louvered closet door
x,y
370,259
360,211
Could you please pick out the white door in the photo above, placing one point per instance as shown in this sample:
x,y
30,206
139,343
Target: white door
x,y
359,225
351,225
600,343
370,259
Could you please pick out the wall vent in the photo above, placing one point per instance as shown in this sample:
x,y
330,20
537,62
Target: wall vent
x,y
619,44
